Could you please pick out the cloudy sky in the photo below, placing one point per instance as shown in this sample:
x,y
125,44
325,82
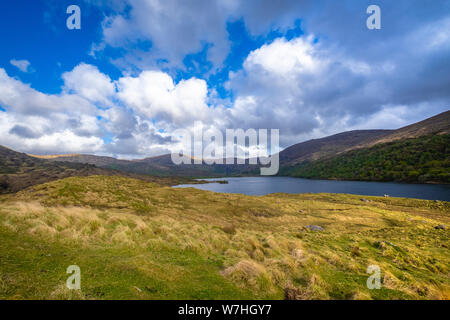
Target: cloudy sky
x,y
140,69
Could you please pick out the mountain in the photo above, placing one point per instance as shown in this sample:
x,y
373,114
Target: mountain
x,y
437,125
19,170
99,161
425,159
159,166
329,146
296,156
416,153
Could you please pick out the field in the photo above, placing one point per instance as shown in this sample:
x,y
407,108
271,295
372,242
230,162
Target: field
x,y
139,240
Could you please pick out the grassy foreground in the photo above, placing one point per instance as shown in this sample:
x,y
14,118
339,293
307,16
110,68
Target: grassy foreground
x,y
138,240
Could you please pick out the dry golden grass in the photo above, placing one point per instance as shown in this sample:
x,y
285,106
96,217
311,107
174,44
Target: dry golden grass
x,y
260,243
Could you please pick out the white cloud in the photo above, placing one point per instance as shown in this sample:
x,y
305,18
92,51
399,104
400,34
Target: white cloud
x,y
22,65
177,28
43,123
155,95
309,90
285,58
21,98
59,141
88,82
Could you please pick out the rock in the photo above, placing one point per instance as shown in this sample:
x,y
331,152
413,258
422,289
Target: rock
x,y
440,227
314,228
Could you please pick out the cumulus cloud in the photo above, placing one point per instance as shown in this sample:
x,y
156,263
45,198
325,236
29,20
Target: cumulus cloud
x,y
22,65
155,95
37,122
88,82
135,115
22,134
308,89
177,28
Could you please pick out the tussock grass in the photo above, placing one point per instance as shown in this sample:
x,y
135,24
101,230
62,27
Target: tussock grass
x,y
187,243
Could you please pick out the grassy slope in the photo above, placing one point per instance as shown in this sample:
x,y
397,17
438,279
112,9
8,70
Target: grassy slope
x,y
424,159
187,243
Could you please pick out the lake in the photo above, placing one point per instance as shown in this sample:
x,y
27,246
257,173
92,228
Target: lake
x,y
266,185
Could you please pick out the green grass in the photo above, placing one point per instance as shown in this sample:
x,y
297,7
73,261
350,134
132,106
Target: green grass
x,y
191,244
33,269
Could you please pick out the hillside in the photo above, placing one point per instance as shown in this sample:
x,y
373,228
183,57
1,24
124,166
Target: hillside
x,y
415,153
333,145
329,146
138,240
423,159
19,171
437,125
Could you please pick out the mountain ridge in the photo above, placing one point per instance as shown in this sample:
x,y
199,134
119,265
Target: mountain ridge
x,y
310,150
297,154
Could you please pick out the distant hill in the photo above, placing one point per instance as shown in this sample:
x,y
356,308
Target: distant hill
x,y
437,125
329,146
54,156
416,153
160,166
19,171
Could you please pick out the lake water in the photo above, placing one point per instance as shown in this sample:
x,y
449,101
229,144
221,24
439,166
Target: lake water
x,y
266,185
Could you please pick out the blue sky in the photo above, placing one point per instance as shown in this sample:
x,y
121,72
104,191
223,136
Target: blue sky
x,y
56,49
35,31
139,69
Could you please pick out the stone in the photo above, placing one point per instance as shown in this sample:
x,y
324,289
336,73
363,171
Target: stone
x,y
314,228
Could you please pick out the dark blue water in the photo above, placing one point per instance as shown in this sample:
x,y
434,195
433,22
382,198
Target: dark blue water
x,y
265,185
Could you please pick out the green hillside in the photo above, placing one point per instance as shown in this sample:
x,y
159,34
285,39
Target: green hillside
x,y
423,159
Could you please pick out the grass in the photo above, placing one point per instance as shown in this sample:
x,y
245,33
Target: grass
x,y
137,240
